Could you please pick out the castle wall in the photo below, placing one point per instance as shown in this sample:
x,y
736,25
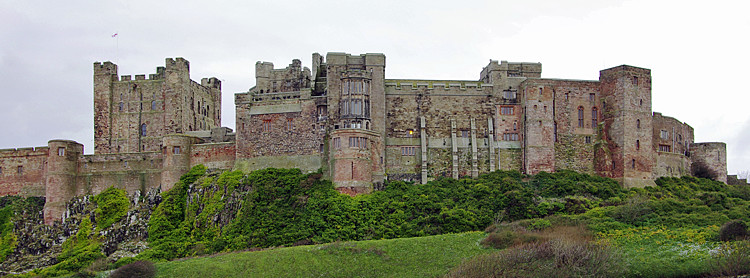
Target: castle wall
x,y
214,155
456,128
29,179
129,171
278,130
671,165
670,135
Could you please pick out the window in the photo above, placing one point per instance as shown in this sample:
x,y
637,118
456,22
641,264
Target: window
x,y
637,144
664,134
594,117
143,129
638,123
509,94
1,170
506,110
61,151
566,95
580,116
409,133
510,136
266,125
408,151
121,105
289,124
633,163
358,142
588,139
20,170
635,80
591,97
153,105
641,102
540,92
515,126
465,133
679,138
665,148
176,150
545,109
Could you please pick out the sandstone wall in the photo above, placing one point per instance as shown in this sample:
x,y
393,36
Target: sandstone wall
x,y
22,171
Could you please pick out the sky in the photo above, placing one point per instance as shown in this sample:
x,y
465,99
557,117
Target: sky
x,y
697,51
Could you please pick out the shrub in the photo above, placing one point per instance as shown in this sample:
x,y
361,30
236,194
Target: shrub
x,y
732,260
733,230
141,269
556,258
507,238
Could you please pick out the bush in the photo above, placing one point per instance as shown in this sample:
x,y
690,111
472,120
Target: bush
x,y
140,269
507,238
556,258
732,260
733,230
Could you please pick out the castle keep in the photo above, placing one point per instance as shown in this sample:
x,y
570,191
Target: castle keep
x,y
343,116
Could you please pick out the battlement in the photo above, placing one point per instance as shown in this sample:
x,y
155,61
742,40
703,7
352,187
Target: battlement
x,y
368,59
177,64
211,82
399,84
30,151
105,68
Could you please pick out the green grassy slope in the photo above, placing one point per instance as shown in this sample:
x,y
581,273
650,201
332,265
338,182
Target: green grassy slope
x,y
406,257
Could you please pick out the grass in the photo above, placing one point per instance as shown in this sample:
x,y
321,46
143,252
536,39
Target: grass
x,y
406,257
665,252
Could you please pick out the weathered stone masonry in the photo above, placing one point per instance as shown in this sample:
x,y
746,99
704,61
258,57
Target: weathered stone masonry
x,y
344,117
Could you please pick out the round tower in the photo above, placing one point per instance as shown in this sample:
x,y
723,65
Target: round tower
x,y
709,159
60,178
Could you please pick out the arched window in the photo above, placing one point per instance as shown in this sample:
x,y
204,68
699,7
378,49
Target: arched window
x,y
153,105
638,123
580,116
143,129
594,117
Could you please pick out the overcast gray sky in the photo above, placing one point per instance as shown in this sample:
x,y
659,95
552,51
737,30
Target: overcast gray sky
x,y
697,50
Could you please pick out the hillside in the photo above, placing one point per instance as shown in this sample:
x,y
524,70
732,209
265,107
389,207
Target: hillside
x,y
212,212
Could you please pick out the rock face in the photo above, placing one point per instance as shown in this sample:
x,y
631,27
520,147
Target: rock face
x,y
39,245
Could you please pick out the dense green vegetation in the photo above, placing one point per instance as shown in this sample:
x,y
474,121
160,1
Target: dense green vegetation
x,y
669,230
284,207
111,205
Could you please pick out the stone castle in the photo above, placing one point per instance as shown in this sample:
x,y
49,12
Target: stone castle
x,y
344,117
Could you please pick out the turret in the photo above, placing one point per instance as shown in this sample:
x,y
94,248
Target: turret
x,y
60,179
356,107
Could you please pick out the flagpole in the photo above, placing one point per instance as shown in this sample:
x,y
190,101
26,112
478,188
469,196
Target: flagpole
x,y
117,47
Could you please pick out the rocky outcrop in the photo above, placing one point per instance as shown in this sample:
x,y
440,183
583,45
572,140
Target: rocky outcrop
x,y
39,245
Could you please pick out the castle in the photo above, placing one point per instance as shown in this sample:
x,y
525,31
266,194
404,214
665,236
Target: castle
x,y
344,117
